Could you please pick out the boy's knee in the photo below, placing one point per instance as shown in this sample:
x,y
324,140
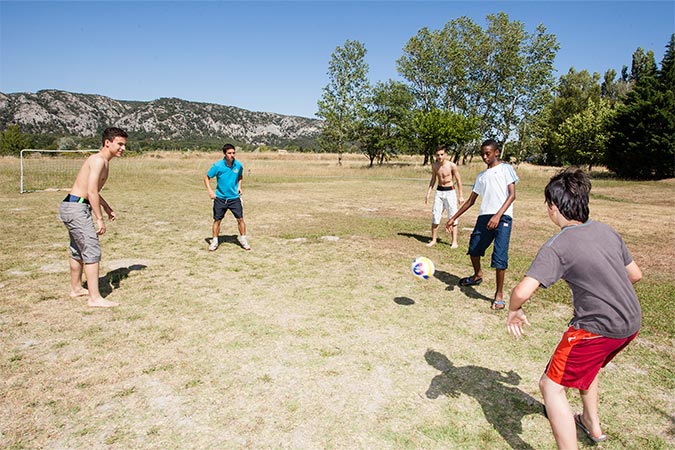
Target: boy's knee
x,y
548,386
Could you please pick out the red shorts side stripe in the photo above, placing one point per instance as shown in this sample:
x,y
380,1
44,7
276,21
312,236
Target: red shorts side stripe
x,y
580,355
556,366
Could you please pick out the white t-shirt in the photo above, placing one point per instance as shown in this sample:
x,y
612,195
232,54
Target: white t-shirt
x,y
492,186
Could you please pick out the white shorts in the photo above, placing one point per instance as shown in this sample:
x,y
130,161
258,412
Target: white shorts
x,y
444,201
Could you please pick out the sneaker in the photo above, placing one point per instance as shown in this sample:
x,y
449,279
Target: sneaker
x,y
214,244
244,243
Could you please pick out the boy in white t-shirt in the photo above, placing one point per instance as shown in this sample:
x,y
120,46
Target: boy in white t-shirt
x,y
497,187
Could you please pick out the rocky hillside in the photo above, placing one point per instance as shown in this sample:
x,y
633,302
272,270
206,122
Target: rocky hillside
x,y
66,113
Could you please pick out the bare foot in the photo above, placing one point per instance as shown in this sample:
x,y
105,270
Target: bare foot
x,y
79,293
455,245
431,244
101,303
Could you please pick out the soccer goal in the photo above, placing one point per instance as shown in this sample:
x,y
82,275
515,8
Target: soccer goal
x,y
50,170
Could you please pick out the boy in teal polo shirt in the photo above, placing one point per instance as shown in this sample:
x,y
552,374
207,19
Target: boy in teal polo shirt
x,y
228,173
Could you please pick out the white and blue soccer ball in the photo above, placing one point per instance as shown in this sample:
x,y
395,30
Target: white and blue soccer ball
x,y
423,268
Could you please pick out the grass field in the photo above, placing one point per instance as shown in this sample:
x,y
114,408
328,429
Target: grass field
x,y
319,337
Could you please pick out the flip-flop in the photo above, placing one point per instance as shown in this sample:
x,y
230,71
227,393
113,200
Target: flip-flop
x,y
498,304
469,281
580,424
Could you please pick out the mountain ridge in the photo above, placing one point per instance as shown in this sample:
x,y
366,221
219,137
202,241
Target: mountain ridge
x,y
52,111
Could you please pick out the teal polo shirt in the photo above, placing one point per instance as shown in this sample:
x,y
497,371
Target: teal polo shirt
x,y
227,177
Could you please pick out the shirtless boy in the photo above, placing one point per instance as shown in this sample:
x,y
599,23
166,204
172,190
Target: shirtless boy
x,y
76,213
445,199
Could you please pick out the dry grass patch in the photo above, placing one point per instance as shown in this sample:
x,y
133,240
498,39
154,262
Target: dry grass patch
x,y
319,337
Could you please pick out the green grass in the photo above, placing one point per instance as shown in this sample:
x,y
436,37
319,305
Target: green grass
x,y
306,342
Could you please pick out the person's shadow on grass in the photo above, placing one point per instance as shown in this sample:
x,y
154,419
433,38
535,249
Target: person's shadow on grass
x,y
419,237
112,279
424,239
504,406
452,282
230,239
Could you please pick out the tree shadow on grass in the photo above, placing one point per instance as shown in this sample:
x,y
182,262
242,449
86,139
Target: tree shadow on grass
x,y
503,405
452,282
112,279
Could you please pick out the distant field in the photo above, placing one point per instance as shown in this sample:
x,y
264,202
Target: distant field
x,y
319,337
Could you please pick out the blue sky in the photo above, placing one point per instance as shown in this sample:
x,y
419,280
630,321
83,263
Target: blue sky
x,y
273,56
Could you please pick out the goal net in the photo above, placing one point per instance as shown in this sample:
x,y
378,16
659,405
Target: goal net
x,y
50,170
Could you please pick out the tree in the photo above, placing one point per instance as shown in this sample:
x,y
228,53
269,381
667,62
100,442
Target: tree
x,y
583,137
642,133
499,74
444,128
387,124
344,99
12,141
573,93
612,90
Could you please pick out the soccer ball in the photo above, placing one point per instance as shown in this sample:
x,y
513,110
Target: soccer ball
x,y
423,268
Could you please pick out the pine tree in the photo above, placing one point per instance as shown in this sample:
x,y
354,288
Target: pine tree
x,y
642,133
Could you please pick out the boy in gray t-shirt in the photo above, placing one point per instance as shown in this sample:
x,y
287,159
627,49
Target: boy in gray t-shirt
x,y
593,260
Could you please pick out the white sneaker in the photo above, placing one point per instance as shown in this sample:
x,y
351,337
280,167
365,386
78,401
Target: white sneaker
x,y
244,243
214,244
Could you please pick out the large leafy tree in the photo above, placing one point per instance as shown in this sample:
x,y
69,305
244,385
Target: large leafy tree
x,y
574,92
344,100
444,128
500,74
583,136
386,130
642,133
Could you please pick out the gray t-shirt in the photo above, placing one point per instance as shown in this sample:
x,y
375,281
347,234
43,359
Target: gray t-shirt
x,y
592,259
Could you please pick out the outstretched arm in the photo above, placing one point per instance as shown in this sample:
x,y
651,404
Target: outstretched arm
x,y
462,209
520,294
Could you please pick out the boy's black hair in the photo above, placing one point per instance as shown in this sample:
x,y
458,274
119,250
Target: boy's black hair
x,y
109,134
227,147
568,190
491,143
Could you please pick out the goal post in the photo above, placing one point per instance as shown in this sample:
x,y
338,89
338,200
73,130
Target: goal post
x,y
50,170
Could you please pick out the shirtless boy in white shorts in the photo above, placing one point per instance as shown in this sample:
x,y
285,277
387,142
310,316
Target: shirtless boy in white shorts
x,y
445,199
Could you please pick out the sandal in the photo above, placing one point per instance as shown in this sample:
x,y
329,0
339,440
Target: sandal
x,y
498,304
470,281
580,424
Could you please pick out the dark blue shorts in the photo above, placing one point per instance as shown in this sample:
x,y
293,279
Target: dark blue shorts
x,y
221,205
481,238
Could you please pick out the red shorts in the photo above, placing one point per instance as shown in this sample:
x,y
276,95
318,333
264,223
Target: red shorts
x,y
580,355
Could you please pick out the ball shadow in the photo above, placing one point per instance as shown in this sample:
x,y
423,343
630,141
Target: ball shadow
x,y
404,301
